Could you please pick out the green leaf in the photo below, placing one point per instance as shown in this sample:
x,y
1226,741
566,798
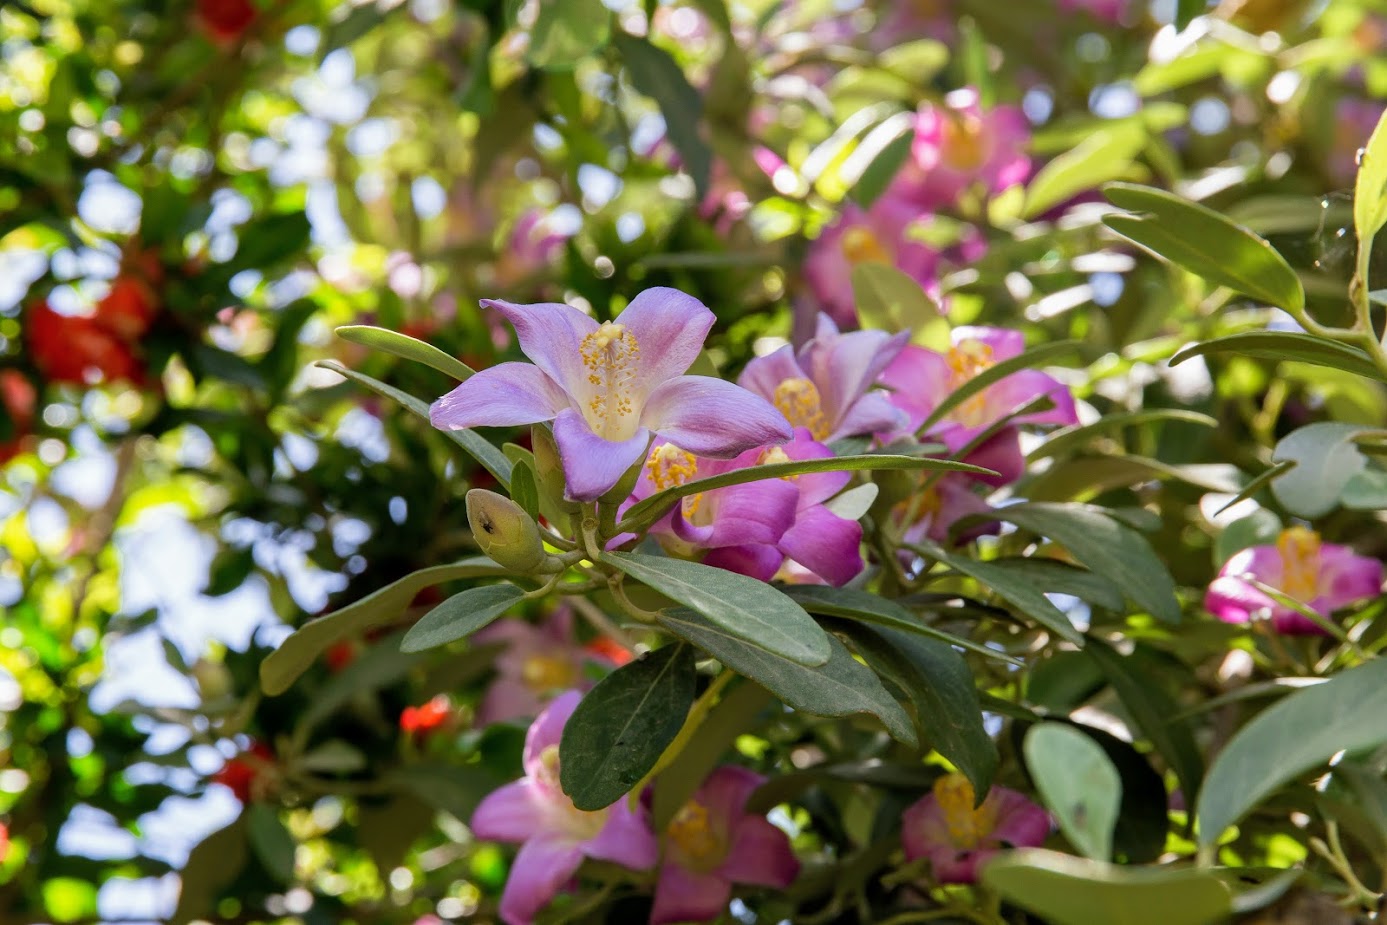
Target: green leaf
x,y
1107,546
748,609
1143,823
656,74
1065,890
623,725
885,163
1257,484
1370,189
1366,491
1030,359
269,242
1083,477
1079,784
1297,734
1325,458
646,512
946,702
389,829
492,459
296,653
446,787
567,31
214,863
1016,590
888,300
1287,345
1104,155
1259,528
406,347
1055,577
1205,243
841,686
460,616
271,841
1068,439
523,490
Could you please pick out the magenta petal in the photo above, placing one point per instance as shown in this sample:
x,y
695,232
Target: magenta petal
x,y
502,396
917,378
513,813
757,512
710,417
1233,600
626,839
1020,822
1004,342
760,855
541,869
670,327
592,466
1000,452
726,791
755,561
826,544
548,728
682,895
1346,578
959,867
551,334
924,830
1027,385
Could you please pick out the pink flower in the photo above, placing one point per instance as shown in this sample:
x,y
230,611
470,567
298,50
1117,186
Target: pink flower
x,y
935,510
959,146
538,662
713,843
945,827
553,834
1107,10
531,248
1323,576
1354,121
905,20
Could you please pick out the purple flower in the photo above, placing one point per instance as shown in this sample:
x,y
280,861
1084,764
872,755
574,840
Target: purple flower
x,y
553,834
958,146
1323,576
945,827
828,388
531,247
538,662
1354,121
1107,10
935,510
607,386
713,843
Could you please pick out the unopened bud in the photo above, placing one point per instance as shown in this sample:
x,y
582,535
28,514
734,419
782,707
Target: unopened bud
x,y
506,533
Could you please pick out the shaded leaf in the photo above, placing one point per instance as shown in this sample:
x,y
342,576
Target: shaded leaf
x,y
1325,459
1287,345
656,74
1078,783
460,616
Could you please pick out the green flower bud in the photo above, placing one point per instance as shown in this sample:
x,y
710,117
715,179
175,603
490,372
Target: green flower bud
x,y
549,469
506,533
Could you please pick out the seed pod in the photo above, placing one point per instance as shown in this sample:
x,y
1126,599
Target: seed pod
x,y
506,533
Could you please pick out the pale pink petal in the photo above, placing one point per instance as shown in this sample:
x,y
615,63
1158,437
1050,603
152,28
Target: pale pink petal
x,y
515,812
1004,343
592,466
551,334
502,396
1347,578
873,413
542,868
710,417
764,374
669,326
845,366
505,700
548,728
725,793
682,895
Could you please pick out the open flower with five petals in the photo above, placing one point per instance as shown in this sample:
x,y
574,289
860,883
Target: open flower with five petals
x,y
607,387
957,836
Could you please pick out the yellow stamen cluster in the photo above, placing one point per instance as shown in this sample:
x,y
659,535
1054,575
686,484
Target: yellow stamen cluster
x,y
772,456
968,826
798,399
1300,563
580,822
610,355
542,673
967,359
691,831
962,146
669,466
861,246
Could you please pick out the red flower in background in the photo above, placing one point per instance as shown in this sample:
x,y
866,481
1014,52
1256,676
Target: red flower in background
x,y
19,398
128,310
610,650
4,841
434,716
225,20
249,773
78,348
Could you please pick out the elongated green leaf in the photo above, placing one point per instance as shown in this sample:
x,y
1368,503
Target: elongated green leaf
x,y
749,609
889,300
271,841
1012,588
1030,359
864,607
942,688
1370,189
841,686
567,31
1325,459
406,347
460,616
1287,345
656,74
1085,477
1079,784
1106,546
523,490
1055,577
623,725
1069,439
1205,243
1065,890
738,712
1299,733
1104,155
644,513
492,459
1258,483
296,653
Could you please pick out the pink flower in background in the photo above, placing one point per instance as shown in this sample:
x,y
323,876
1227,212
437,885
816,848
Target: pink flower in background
x,y
1323,576
1107,10
959,145
538,662
901,21
712,843
936,508
1354,121
554,835
608,386
828,388
531,248
945,827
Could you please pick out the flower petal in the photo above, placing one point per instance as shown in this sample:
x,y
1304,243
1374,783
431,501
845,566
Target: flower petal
x,y
828,545
761,561
513,813
1233,600
757,512
682,895
1020,822
505,700
761,855
709,417
551,334
592,466
924,828
725,793
548,728
873,413
626,839
951,866
845,366
541,870
764,374
1004,342
1346,578
670,327
918,378
1025,386
502,396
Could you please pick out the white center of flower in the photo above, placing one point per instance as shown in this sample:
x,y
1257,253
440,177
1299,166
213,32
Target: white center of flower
x,y
611,355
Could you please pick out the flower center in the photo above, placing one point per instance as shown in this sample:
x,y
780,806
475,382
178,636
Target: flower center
x,y
798,399
861,246
968,826
581,824
967,359
611,354
692,834
670,466
963,145
926,505
1300,563
543,673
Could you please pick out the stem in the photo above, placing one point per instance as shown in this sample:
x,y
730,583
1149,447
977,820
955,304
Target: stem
x,y
602,623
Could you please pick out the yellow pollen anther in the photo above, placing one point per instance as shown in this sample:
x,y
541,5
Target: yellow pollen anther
x,y
670,466
967,826
772,456
798,399
549,765
547,672
1300,563
610,355
693,835
967,359
861,246
962,146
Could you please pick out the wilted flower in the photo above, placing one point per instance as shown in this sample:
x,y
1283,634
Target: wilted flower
x,y
1322,576
434,716
251,774
553,834
712,843
959,145
607,387
957,837
829,387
